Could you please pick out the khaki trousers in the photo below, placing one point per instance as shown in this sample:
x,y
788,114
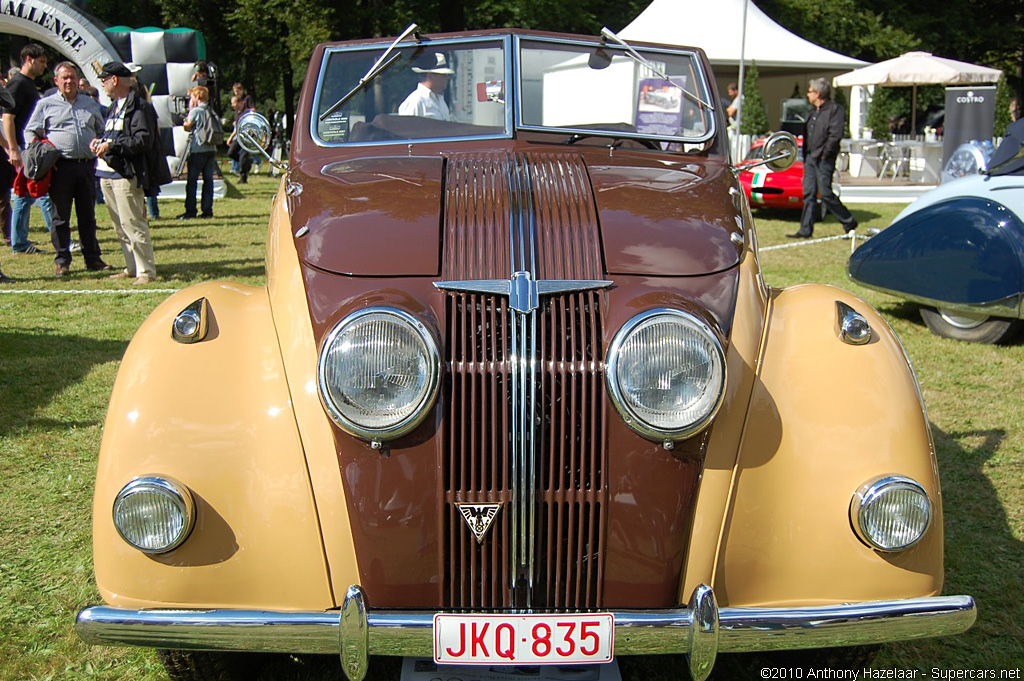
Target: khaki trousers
x,y
127,206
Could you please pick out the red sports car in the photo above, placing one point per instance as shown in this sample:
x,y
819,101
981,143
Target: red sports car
x,y
768,189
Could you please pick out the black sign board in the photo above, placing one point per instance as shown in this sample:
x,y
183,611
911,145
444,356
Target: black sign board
x,y
970,115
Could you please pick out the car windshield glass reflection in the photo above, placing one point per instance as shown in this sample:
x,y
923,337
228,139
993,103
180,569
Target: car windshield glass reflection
x,y
430,91
600,90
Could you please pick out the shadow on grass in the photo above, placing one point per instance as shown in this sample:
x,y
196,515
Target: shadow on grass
x,y
905,310
793,215
219,269
180,246
36,366
984,558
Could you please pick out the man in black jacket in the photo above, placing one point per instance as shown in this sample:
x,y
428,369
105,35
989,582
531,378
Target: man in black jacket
x,y
823,132
131,167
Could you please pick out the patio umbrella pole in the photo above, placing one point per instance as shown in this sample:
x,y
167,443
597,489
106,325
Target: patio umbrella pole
x,y
913,111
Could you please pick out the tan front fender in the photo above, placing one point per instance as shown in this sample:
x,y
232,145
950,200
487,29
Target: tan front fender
x,y
824,418
216,416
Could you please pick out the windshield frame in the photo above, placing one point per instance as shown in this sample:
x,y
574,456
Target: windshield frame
x,y
512,46
703,90
504,41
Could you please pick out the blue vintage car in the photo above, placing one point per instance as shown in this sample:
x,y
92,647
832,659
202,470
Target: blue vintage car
x,y
959,251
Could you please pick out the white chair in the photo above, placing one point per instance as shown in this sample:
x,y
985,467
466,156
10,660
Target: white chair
x,y
897,160
872,160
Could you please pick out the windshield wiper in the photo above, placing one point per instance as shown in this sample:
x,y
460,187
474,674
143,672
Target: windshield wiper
x,y
607,34
380,66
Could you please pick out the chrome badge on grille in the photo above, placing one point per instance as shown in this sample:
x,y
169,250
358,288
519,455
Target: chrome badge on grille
x,y
479,517
522,289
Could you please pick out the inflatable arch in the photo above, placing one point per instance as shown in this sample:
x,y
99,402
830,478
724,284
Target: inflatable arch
x,y
167,57
63,28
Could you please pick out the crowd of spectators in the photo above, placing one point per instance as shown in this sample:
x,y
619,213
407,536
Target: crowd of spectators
x,y
108,155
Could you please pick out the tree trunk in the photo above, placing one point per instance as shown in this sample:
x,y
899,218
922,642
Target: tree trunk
x,y
289,95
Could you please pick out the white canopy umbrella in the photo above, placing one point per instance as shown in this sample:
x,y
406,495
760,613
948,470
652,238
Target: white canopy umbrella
x,y
918,68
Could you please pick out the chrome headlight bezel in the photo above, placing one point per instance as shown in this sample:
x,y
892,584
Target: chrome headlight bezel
x,y
170,490
630,415
192,323
422,406
872,493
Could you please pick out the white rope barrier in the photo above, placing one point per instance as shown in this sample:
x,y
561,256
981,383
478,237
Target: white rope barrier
x,y
85,291
807,242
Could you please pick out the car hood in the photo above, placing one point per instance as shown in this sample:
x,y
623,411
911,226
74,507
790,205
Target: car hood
x,y
391,216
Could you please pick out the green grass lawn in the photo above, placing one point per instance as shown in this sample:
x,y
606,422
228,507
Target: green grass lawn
x,y
60,346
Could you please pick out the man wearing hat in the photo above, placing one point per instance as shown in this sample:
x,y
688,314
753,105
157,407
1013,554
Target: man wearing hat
x,y
131,166
427,100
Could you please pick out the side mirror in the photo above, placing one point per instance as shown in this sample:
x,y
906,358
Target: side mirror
x,y
780,151
253,132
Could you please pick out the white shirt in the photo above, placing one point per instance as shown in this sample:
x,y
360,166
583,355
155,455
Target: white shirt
x,y
114,127
425,102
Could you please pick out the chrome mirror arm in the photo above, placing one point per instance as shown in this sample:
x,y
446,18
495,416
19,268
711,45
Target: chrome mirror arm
x,y
741,166
254,145
780,150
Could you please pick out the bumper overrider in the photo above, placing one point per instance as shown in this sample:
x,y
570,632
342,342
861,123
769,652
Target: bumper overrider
x,y
701,630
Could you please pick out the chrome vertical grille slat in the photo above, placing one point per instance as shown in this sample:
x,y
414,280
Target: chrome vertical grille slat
x,y
524,425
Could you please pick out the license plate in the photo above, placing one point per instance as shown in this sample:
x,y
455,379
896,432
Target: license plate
x,y
523,639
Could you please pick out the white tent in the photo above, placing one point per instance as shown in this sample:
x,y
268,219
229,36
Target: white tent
x,y
717,27
785,61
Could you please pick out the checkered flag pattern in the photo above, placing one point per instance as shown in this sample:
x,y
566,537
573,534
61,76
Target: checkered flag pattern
x,y
167,58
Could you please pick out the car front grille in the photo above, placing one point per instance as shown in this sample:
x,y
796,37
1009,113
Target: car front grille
x,y
545,545
524,425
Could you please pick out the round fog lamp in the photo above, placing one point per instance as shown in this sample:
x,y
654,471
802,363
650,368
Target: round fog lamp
x,y
154,514
891,514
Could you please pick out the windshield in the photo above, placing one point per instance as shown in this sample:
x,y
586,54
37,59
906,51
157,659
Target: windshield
x,y
463,89
432,90
599,89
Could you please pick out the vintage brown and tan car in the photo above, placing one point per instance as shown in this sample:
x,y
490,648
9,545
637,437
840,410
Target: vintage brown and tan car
x,y
515,393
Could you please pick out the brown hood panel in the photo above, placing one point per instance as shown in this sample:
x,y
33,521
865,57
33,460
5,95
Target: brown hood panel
x,y
372,216
665,221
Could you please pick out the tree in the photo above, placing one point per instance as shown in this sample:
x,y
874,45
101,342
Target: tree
x,y
1003,98
754,119
847,26
883,107
989,32
274,35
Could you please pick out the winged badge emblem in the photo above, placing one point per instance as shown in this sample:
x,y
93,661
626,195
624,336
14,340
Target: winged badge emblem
x,y
479,517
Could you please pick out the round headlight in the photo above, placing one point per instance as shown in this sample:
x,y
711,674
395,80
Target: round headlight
x,y
379,373
154,514
666,374
891,514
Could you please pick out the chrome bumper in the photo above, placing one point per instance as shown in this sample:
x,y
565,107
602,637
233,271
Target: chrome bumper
x,y
701,630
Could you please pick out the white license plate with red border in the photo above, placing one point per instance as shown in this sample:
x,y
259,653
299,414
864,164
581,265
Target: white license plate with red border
x,y
524,639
